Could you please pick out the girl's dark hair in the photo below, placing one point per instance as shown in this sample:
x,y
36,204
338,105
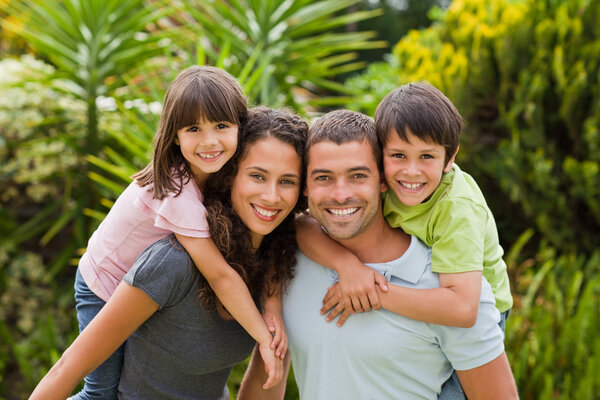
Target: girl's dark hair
x,y
198,93
273,263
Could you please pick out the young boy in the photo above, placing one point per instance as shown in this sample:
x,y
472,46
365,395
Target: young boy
x,y
429,197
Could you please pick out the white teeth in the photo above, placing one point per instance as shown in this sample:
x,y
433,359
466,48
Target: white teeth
x,y
209,155
412,185
264,212
342,212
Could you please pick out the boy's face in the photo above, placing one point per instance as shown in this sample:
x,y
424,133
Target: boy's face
x,y
413,169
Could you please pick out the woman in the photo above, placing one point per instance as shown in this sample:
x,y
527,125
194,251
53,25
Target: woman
x,y
184,348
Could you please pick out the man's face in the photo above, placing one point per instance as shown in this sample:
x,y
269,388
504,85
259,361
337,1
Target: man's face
x,y
343,187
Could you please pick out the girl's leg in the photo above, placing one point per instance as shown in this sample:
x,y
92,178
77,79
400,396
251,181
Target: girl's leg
x,y
103,382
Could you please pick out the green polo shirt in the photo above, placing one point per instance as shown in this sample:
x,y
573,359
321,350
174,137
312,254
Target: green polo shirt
x,y
459,227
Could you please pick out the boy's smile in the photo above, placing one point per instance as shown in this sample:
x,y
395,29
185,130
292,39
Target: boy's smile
x,y
413,169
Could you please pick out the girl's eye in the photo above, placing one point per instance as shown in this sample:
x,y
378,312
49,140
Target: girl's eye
x,y
192,129
222,125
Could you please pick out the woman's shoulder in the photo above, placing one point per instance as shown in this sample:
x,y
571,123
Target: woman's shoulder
x,y
163,261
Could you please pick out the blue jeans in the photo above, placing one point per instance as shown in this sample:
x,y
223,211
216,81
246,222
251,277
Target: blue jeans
x,y
452,390
103,382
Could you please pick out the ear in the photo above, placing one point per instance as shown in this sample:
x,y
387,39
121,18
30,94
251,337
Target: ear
x,y
383,187
305,191
177,140
451,161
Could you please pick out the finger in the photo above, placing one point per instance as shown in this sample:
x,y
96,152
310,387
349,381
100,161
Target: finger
x,y
334,312
381,281
276,339
282,348
332,302
356,305
328,296
374,300
364,301
344,317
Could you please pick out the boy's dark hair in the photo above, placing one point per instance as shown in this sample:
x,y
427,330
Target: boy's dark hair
x,y
198,93
344,126
423,110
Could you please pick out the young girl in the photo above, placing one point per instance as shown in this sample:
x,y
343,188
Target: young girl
x,y
197,134
181,342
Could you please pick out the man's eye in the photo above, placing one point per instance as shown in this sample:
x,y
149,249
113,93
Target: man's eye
x,y
322,178
359,176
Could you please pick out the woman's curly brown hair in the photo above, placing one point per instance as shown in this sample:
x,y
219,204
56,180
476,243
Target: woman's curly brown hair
x,y
272,265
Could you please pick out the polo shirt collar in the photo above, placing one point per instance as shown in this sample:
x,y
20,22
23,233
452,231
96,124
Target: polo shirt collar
x,y
410,266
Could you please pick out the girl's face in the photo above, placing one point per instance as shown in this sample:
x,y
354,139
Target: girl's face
x,y
266,186
207,146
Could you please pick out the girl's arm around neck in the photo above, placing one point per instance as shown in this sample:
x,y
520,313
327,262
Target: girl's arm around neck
x,y
233,293
125,311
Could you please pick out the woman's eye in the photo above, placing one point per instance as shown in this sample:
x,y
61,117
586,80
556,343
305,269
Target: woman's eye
x,y
258,177
288,181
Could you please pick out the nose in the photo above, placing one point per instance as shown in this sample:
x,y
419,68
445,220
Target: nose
x,y
208,138
271,194
341,191
411,169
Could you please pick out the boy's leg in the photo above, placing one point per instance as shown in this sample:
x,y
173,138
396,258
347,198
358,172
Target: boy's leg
x,y
103,382
452,390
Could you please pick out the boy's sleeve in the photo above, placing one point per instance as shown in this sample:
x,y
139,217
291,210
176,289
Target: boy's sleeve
x,y
459,228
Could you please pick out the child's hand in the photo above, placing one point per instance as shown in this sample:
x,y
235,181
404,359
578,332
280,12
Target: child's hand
x,y
273,365
274,322
355,292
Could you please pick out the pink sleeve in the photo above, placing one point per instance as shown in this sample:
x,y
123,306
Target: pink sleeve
x,y
184,214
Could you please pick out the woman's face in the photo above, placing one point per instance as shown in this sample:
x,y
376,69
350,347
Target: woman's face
x,y
266,186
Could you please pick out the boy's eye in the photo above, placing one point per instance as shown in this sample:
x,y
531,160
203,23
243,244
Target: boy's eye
x,y
397,155
427,156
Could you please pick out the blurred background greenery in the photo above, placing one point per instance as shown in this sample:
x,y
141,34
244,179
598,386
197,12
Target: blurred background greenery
x,y
82,83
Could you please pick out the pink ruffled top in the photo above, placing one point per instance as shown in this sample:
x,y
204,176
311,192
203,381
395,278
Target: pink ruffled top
x,y
135,222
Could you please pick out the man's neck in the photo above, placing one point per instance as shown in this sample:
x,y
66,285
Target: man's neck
x,y
380,243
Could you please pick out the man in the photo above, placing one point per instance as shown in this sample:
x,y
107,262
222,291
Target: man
x,y
377,354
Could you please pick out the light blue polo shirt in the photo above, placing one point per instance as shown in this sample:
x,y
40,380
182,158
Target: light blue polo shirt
x,y
379,354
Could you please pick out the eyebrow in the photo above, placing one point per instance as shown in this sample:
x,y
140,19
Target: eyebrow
x,y
266,171
327,171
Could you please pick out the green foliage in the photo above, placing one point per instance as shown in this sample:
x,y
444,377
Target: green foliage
x,y
526,77
293,40
552,339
